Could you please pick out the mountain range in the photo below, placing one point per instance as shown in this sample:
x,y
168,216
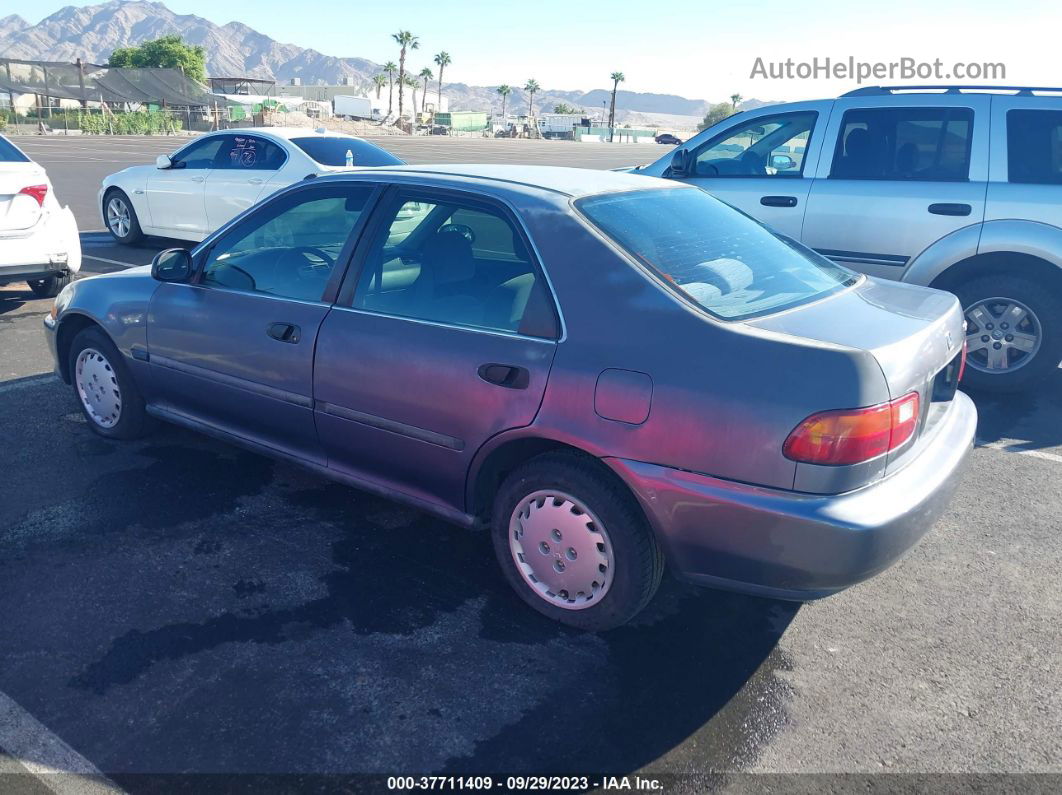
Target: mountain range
x,y
235,49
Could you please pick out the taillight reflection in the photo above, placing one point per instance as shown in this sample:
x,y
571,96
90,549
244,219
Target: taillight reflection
x,y
851,436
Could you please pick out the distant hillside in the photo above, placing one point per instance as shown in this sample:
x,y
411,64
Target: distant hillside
x,y
93,32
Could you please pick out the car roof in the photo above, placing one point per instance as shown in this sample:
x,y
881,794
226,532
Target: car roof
x,y
572,182
291,132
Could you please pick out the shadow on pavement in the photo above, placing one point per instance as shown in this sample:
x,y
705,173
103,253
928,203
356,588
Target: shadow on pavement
x,y
181,605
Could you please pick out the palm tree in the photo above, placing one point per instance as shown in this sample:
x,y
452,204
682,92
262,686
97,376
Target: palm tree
x,y
505,91
735,99
442,60
379,81
531,87
425,75
414,84
406,41
617,78
390,67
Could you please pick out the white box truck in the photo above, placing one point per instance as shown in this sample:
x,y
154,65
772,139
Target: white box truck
x,y
352,107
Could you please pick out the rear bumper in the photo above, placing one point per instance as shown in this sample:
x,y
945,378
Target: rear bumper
x,y
790,545
50,247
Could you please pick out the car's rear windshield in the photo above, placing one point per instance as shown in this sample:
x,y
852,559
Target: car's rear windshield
x,y
9,153
333,151
718,257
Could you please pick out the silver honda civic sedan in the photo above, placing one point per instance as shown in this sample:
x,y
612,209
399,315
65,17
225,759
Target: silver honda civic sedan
x,y
613,373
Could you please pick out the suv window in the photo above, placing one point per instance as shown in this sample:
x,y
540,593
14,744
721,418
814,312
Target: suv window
x,y
918,144
250,153
768,146
1034,146
288,248
9,153
200,154
454,263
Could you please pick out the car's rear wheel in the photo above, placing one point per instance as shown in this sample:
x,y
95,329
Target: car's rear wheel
x,y
49,287
1013,332
106,391
121,218
574,544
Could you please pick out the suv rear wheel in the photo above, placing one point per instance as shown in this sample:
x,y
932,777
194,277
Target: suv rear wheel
x,y
574,544
1013,332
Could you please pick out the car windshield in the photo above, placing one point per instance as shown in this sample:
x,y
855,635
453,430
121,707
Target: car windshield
x,y
9,153
712,254
333,151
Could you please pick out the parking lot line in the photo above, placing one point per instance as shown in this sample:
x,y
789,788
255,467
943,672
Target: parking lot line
x,y
46,757
109,261
1016,446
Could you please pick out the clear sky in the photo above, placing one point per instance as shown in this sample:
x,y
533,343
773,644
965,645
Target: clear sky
x,y
702,50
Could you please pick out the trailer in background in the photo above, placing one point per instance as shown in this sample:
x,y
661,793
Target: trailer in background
x,y
351,107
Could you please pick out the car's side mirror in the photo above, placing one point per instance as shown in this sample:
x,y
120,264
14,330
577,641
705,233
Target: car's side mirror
x,y
172,265
163,161
782,162
680,163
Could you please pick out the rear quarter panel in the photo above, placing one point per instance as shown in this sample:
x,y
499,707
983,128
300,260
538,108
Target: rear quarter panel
x,y
724,395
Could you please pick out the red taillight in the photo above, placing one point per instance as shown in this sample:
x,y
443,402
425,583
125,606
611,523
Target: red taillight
x,y
850,436
38,192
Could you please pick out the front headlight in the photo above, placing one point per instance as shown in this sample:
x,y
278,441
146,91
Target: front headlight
x,y
59,304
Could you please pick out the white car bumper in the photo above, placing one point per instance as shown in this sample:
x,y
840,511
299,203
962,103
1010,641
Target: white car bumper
x,y
51,246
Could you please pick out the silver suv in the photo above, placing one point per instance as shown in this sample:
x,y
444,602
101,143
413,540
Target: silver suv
x,y
955,187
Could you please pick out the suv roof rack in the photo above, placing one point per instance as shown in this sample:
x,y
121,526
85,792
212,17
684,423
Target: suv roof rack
x,y
869,91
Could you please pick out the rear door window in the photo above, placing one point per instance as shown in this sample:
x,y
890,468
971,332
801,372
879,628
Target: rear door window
x,y
454,262
912,144
1034,147
713,255
249,153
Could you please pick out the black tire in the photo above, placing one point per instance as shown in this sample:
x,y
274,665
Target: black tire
x,y
638,563
1045,304
134,234
50,287
133,421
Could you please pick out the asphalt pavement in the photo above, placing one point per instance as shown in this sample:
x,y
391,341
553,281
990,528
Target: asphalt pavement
x,y
179,606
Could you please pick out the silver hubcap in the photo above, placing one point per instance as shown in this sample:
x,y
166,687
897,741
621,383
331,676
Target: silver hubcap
x,y
561,549
118,217
98,389
1001,334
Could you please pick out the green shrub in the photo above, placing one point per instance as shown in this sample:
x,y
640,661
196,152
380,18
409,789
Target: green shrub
x,y
133,123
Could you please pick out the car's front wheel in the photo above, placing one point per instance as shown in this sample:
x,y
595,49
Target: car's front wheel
x,y
106,391
121,218
1013,332
574,544
49,287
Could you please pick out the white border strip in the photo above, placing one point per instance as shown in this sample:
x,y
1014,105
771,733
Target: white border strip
x,y
46,757
1015,446
111,261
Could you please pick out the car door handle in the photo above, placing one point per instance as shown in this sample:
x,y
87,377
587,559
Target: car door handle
x,y
778,201
255,181
950,209
284,332
505,375
197,179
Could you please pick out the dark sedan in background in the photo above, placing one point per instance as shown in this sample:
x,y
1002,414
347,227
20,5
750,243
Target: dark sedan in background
x,y
611,371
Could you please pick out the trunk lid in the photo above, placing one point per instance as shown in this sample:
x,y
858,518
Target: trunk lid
x,y
912,332
19,211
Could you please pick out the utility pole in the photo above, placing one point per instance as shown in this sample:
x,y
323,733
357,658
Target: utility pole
x,y
81,83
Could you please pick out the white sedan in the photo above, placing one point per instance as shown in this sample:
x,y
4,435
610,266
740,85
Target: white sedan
x,y
39,244
215,177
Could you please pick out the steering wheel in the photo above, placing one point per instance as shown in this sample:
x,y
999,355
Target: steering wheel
x,y
753,163
464,230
